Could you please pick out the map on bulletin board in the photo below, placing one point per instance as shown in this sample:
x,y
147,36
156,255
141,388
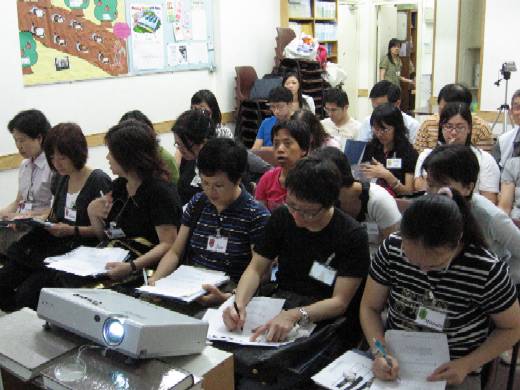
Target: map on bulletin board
x,y
70,40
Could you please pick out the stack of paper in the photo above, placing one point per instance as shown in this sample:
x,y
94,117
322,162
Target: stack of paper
x,y
259,311
351,371
418,354
186,283
86,261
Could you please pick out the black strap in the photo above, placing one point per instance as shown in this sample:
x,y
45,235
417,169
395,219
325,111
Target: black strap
x,y
363,197
195,216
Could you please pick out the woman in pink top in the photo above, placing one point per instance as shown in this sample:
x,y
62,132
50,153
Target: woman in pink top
x,y
291,142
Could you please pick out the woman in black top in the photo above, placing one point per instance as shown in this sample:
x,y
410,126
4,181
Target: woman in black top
x,y
191,131
390,157
24,275
143,207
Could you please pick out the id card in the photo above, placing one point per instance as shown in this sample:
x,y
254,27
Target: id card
x,y
323,273
430,318
217,244
25,207
394,163
114,232
70,214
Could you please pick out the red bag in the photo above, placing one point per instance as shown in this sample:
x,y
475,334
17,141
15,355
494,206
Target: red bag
x,y
321,56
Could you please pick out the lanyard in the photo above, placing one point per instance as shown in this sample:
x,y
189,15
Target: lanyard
x,y
30,195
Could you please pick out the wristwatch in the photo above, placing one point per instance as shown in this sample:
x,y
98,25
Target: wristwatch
x,y
304,319
133,266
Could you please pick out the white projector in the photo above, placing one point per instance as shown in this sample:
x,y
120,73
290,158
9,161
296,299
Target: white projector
x,y
133,327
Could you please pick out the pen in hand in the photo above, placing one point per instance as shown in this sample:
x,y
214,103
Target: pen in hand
x,y
381,349
238,312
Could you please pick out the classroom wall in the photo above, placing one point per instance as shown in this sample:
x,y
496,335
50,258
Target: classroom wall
x,y
244,35
445,56
501,43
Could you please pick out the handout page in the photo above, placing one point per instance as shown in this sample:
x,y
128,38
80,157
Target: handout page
x,y
259,311
351,371
86,261
418,354
185,283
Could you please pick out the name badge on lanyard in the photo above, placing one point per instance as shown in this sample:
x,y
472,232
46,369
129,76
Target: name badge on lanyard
x,y
70,214
323,273
431,317
114,232
394,163
25,207
217,243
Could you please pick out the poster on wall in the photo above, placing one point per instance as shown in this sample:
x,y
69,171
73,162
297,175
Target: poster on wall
x,y
147,36
70,40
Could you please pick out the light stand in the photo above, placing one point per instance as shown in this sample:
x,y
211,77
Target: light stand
x,y
504,109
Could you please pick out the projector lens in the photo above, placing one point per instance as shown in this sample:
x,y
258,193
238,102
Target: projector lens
x,y
113,331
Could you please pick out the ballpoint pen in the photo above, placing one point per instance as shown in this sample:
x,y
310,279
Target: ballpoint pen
x,y
381,349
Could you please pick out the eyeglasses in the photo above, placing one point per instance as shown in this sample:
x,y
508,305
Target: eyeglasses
x,y
277,106
457,128
332,110
305,214
382,130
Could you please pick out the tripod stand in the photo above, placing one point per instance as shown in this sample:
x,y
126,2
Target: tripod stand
x,y
504,109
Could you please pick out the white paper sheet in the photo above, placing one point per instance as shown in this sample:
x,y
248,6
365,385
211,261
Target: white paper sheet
x,y
86,261
185,283
418,354
351,371
147,36
259,311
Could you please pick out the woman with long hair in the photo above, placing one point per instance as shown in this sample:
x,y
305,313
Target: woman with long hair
x,y
143,208
300,101
455,127
439,265
389,157
391,64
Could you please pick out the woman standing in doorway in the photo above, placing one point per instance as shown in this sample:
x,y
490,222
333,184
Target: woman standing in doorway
x,y
391,64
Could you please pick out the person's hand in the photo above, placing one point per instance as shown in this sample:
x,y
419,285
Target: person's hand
x,y
277,329
100,207
383,371
234,320
60,229
453,372
151,281
118,271
374,170
213,297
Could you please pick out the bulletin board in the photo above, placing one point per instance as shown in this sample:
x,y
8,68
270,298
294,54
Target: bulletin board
x,y
72,40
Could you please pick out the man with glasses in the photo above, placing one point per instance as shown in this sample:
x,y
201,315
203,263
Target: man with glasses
x,y
381,93
280,99
339,124
428,136
322,258
508,144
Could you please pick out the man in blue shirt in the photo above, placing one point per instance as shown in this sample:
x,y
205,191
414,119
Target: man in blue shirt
x,y
280,99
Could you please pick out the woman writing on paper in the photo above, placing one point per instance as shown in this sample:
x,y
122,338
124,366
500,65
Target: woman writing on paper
x,y
77,185
437,275
220,224
142,211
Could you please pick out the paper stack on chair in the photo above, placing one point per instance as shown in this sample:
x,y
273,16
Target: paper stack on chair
x,y
86,261
185,283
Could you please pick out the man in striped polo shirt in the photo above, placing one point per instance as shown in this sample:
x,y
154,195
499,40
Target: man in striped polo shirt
x,y
221,224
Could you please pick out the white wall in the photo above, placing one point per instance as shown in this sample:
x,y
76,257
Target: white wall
x,y
501,44
445,61
244,35
348,52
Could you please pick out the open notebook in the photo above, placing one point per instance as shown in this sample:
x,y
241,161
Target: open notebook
x,y
185,283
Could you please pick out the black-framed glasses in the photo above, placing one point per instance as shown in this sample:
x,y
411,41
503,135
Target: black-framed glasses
x,y
305,214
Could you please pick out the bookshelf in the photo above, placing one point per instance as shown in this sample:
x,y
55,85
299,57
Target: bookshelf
x,y
317,18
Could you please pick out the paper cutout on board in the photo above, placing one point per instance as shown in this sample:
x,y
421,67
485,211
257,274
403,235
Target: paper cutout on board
x,y
147,36
68,40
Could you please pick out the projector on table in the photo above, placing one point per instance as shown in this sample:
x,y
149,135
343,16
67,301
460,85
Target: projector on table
x,y
133,327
